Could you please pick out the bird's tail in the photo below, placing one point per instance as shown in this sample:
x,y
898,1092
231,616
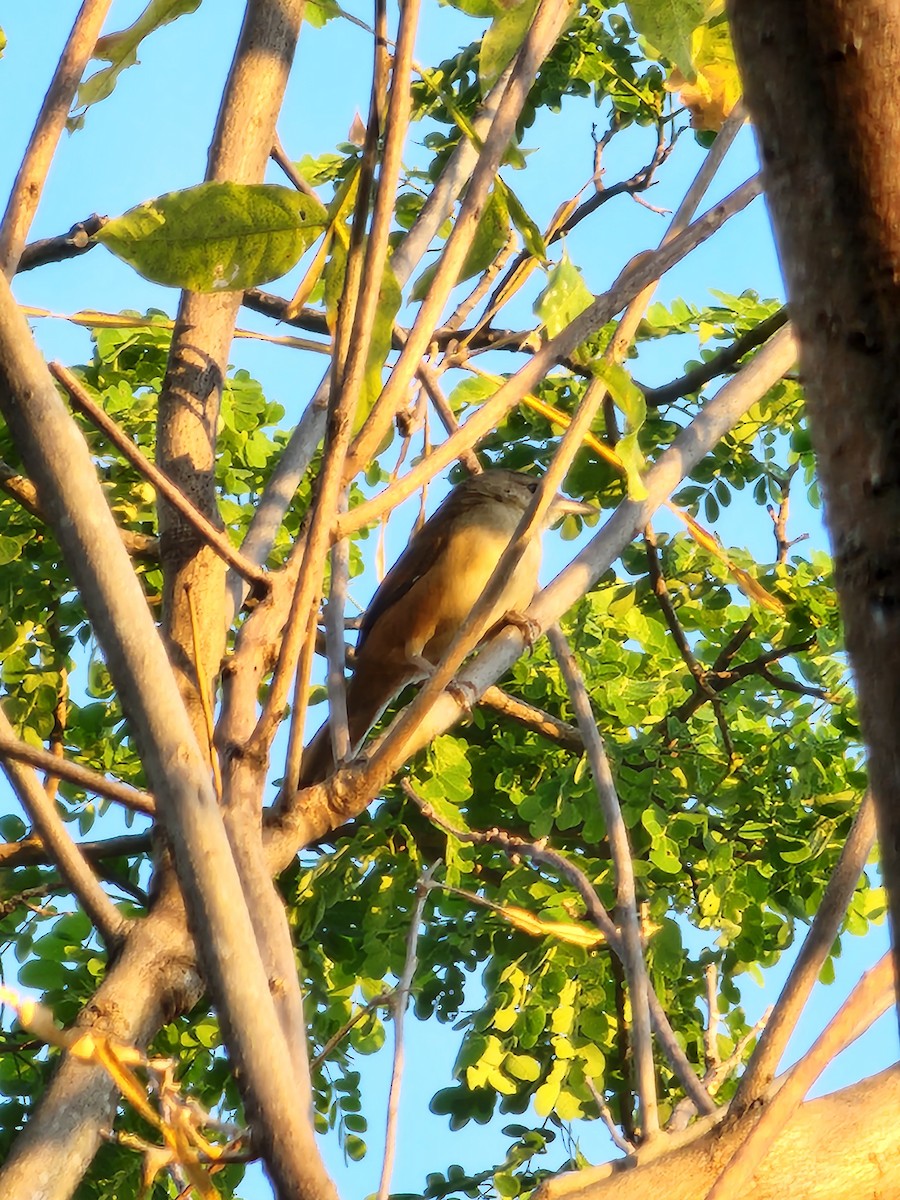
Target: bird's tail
x,y
367,698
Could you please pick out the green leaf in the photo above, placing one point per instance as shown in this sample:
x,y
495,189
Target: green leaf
x,y
389,300
564,298
629,400
355,1147
506,1184
216,236
43,974
471,392
532,237
523,1066
317,12
502,40
668,25
120,51
489,239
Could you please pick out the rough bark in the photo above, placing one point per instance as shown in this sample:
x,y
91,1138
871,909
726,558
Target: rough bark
x,y
154,978
823,90
191,396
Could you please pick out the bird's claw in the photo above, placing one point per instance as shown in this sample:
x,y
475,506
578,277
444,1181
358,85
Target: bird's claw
x,y
529,629
463,693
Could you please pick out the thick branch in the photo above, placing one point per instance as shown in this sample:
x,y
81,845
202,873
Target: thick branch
x,y
832,1149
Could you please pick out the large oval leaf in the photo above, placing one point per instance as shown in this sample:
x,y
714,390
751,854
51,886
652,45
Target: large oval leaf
x,y
216,236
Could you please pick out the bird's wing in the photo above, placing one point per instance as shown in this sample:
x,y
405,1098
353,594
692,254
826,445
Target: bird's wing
x,y
423,549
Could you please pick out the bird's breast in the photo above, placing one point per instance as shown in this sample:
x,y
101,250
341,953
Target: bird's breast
x,y
453,586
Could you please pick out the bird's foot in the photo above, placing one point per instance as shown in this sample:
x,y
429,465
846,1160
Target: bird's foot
x,y
529,629
463,693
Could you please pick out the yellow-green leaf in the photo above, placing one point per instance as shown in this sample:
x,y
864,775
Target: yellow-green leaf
x,y
216,236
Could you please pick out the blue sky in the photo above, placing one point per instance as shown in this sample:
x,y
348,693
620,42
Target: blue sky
x,y
152,137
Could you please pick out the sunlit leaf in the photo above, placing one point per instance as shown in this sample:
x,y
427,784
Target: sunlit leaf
x,y
120,51
216,236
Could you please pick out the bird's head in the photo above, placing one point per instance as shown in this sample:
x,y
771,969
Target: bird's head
x,y
516,489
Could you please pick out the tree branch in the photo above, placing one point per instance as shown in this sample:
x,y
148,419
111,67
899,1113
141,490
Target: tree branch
x,y
32,174
809,962
73,866
399,1001
15,749
719,364
164,486
31,851
632,950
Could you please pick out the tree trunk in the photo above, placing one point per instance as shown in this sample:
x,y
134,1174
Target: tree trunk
x,y
823,90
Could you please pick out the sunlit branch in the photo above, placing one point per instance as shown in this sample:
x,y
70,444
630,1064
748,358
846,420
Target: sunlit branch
x,y
82,400
816,947
32,175
15,749
873,995
399,1001
626,896
73,866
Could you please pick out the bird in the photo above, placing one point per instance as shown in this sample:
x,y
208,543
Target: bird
x,y
429,592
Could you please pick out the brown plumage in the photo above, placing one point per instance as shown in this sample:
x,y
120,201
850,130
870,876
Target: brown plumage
x,y
428,593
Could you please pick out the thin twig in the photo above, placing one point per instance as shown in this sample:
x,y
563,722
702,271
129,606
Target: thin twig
x,y
14,748
32,175
336,1038
727,358
685,1109
873,995
594,909
335,646
279,156
626,897
809,962
399,1000
78,240
711,1033
531,717
73,866
621,1143
428,376
160,481
202,678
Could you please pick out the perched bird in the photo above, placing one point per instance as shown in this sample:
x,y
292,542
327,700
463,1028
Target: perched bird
x,y
428,593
